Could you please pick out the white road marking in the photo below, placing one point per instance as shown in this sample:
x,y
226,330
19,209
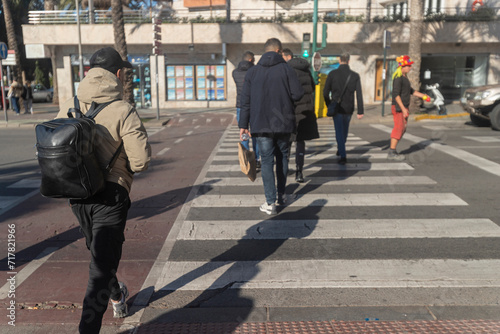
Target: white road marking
x,y
26,183
348,167
30,268
189,133
472,159
431,273
334,200
327,181
484,139
8,202
178,140
338,229
165,150
320,156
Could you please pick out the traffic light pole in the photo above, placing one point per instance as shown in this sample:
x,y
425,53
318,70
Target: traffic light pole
x,y
315,35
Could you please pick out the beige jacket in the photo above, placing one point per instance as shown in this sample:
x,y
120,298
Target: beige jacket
x,y
116,122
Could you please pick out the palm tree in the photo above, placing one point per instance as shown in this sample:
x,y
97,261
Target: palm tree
x,y
121,46
11,37
415,46
50,5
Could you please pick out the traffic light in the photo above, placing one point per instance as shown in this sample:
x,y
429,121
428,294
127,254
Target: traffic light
x,y
324,35
156,35
306,45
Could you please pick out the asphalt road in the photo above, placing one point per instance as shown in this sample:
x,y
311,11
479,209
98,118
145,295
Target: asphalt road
x,y
411,240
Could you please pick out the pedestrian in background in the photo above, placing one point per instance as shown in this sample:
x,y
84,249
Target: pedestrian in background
x,y
102,218
343,79
14,93
267,98
401,96
247,61
305,118
28,98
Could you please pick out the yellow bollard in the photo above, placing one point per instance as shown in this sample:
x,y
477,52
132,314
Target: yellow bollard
x,y
319,103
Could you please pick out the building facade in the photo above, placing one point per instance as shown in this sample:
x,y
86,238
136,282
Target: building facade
x,y
199,50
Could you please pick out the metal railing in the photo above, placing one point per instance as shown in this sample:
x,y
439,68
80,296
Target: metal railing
x,y
260,15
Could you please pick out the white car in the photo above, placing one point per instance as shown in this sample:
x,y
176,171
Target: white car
x,y
41,93
483,105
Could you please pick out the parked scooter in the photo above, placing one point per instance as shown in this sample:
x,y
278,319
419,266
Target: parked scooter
x,y
437,99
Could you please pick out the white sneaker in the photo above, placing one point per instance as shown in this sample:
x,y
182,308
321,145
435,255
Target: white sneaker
x,y
120,310
270,209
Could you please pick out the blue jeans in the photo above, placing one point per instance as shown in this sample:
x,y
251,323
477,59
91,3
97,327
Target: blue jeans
x,y
271,148
341,123
245,142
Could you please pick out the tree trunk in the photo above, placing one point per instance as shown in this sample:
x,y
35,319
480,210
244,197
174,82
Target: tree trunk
x,y
55,98
121,46
415,48
11,39
49,4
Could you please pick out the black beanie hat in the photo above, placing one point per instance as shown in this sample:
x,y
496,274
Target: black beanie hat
x,y
108,59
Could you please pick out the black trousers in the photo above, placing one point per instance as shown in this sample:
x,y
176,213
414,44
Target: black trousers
x,y
300,150
102,220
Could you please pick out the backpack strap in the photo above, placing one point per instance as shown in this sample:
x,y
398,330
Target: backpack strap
x,y
109,166
76,109
96,108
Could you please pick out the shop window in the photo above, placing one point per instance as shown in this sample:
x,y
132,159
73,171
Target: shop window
x,y
196,82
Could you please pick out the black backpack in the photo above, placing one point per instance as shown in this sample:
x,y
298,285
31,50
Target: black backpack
x,y
66,155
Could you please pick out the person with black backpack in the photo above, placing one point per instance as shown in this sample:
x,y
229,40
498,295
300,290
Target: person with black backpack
x,y
102,217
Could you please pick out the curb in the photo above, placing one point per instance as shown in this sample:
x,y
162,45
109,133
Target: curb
x,y
421,117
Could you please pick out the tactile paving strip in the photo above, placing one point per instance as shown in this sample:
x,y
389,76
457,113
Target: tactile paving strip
x,y
327,327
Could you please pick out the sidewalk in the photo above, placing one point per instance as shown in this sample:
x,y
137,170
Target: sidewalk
x,y
373,114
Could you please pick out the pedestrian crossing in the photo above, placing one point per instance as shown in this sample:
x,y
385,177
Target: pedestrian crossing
x,y
18,192
324,248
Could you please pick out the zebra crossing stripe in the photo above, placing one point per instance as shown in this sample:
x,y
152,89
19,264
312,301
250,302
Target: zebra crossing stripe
x,y
321,156
309,274
338,229
330,200
348,143
311,149
347,167
327,181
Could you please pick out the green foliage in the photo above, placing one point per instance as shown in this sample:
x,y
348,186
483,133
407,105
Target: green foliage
x,y
40,75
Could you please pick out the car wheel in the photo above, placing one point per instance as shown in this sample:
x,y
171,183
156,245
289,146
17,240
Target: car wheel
x,y
495,118
48,98
479,121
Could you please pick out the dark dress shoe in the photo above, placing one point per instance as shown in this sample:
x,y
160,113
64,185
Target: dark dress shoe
x,y
343,161
299,177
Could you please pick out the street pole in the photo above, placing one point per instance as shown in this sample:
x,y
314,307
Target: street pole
x,y
4,100
383,83
386,45
315,35
80,57
157,89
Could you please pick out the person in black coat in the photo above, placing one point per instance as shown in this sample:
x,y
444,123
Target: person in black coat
x,y
307,127
334,85
267,105
247,61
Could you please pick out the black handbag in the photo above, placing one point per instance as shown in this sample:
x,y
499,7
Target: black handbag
x,y
333,108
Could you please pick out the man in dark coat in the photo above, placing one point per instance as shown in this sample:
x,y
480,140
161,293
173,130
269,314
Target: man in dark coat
x,y
335,83
305,118
267,98
248,60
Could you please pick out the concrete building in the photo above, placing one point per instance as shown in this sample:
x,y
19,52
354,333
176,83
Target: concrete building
x,y
197,59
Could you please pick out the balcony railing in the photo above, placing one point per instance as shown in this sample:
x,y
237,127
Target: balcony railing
x,y
377,14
